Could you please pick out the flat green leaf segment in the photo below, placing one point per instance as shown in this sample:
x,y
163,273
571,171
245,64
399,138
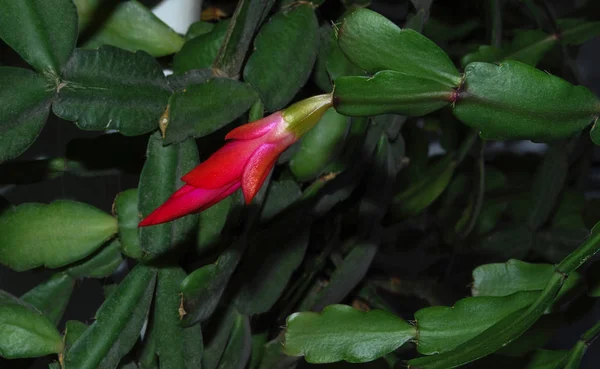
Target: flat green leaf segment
x,y
200,51
506,278
201,109
43,32
24,331
25,101
374,43
506,102
52,296
101,264
343,333
442,328
52,235
134,27
284,53
389,91
110,88
159,179
118,324
126,210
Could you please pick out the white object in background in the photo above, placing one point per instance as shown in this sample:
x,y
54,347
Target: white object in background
x,y
179,14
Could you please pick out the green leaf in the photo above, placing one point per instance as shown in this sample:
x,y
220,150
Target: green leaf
x,y
499,334
200,51
280,195
43,32
239,345
246,19
52,235
530,46
536,337
343,333
110,88
220,337
374,43
259,341
25,99
593,279
200,28
272,258
203,108
211,223
160,178
320,146
274,358
421,193
126,211
132,26
484,53
320,73
390,92
577,31
203,288
442,328
510,242
101,265
73,330
546,359
177,347
503,102
284,53
52,296
25,332
86,10
337,63
118,323
513,276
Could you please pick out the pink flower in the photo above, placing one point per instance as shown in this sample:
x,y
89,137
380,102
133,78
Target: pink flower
x,y
244,162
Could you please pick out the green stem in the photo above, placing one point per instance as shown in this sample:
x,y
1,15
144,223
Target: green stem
x,y
496,17
580,255
465,146
591,334
480,195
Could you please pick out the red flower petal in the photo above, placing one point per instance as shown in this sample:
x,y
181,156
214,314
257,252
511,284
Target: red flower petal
x,y
258,168
187,200
223,167
255,129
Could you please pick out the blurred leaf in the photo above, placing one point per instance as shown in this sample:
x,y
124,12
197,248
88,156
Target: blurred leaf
x,y
177,347
536,337
530,46
126,211
275,358
132,26
513,276
390,92
100,265
110,88
556,243
25,99
343,333
320,146
239,345
52,235
200,51
246,19
569,213
424,191
211,223
484,53
280,195
43,32
203,108
259,341
577,31
86,10
284,53
52,296
547,184
118,323
509,242
199,28
593,279
24,331
373,43
442,328
320,75
486,104
203,288
73,330
441,32
223,325
546,359
273,256
159,179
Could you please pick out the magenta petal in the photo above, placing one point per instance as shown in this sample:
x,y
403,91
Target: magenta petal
x,y
255,129
258,168
187,200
